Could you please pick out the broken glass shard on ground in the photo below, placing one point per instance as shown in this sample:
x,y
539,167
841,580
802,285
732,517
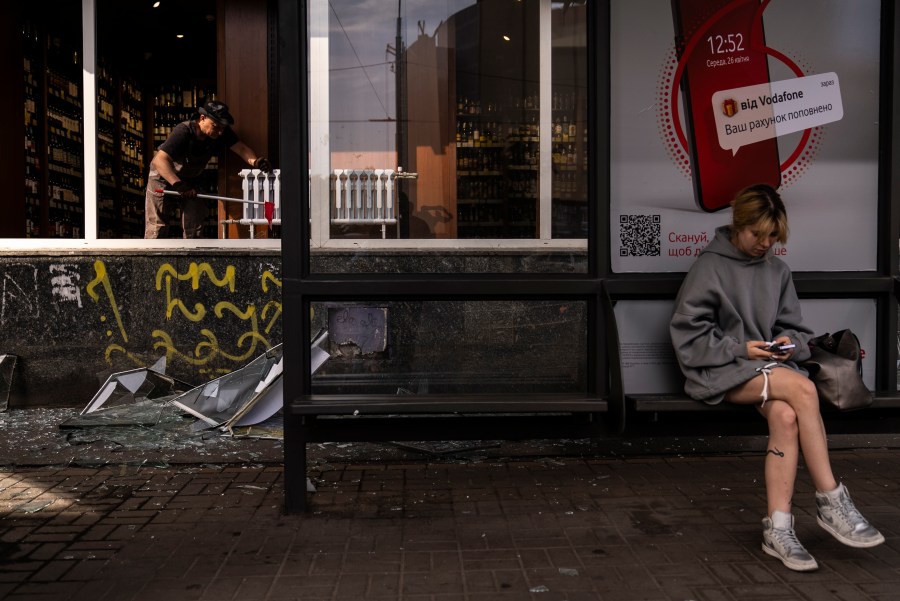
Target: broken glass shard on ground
x,y
271,428
219,400
265,404
169,440
134,386
270,399
134,397
446,447
7,367
140,413
250,395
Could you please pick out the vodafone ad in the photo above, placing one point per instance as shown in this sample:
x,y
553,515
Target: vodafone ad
x,y
710,96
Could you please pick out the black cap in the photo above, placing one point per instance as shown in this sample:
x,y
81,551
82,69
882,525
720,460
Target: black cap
x,y
217,111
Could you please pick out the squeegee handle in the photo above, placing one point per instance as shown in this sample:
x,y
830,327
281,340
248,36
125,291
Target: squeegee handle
x,y
212,197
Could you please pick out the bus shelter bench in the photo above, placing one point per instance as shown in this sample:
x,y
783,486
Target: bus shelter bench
x,y
313,418
658,403
681,416
446,403
886,399
679,402
412,417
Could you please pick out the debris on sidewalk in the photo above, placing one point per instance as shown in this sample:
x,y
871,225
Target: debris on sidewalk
x,y
228,398
245,403
134,386
271,429
131,397
248,396
7,367
447,447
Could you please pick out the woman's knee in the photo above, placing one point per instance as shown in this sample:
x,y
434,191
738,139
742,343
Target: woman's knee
x,y
806,398
798,390
782,418
810,388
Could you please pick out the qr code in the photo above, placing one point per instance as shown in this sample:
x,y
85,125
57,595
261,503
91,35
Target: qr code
x,y
639,235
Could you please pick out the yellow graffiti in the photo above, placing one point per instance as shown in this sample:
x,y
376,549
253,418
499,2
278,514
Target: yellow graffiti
x,y
249,343
223,306
172,351
113,348
266,277
102,279
193,274
199,310
276,313
209,349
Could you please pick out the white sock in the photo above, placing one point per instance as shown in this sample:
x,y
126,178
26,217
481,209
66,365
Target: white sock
x,y
782,520
834,494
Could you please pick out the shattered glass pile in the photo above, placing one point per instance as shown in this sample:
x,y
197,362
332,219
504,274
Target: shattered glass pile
x,y
149,398
143,416
244,403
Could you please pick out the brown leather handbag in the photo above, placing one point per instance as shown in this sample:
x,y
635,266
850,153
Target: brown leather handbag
x,y
836,368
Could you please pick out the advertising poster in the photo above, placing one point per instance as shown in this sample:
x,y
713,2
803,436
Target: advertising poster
x,y
710,96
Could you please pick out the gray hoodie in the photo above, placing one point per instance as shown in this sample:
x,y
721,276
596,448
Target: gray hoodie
x,y
726,299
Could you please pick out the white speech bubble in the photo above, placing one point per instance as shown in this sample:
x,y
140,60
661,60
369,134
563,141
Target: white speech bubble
x,y
759,112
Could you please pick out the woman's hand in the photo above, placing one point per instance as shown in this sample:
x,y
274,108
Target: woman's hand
x,y
759,349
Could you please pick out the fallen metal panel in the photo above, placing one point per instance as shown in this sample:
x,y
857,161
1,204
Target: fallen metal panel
x,y
219,400
133,386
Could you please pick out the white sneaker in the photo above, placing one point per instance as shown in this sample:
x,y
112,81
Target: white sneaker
x,y
838,515
780,541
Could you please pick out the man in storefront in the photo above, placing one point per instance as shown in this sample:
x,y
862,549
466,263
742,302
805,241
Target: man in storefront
x,y
180,165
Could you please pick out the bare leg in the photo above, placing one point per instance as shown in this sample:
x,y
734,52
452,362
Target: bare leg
x,y
782,455
792,412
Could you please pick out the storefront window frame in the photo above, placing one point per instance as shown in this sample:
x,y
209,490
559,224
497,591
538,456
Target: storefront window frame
x,y
318,41
91,241
303,287
320,219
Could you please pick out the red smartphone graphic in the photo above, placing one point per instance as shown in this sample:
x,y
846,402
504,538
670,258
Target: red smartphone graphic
x,y
721,44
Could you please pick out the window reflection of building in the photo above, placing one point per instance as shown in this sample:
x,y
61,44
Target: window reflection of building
x,y
492,118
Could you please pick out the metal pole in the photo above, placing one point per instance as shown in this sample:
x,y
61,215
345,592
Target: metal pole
x,y
212,197
403,209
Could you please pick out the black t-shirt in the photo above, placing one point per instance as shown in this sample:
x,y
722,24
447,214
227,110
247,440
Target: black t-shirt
x,y
191,153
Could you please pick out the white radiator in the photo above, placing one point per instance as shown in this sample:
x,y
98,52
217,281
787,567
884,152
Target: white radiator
x,y
257,186
364,196
357,197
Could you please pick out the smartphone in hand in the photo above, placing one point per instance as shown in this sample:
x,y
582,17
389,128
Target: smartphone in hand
x,y
778,348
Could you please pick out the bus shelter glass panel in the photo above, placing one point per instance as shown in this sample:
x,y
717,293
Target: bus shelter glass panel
x,y
461,347
446,124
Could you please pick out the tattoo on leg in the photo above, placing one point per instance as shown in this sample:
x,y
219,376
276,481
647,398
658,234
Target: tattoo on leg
x,y
775,451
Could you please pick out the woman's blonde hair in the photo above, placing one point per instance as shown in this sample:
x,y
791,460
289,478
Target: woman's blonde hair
x,y
760,207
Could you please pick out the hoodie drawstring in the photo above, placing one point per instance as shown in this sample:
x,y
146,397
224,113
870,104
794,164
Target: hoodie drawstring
x,y
765,370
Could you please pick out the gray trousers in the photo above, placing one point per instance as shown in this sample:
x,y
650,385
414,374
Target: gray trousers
x,y
159,210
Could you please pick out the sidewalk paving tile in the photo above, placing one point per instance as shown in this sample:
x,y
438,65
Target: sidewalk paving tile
x,y
666,526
